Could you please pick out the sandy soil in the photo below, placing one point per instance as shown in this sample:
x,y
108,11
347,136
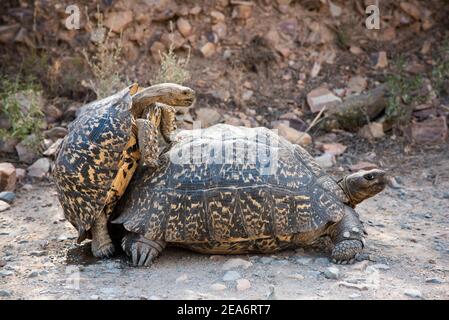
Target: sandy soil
x,y
407,254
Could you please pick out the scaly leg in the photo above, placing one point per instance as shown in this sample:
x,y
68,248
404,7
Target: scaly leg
x,y
168,121
348,237
147,135
102,246
143,251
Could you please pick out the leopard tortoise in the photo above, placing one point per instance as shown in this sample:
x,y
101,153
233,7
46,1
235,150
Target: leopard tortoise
x,y
234,190
100,154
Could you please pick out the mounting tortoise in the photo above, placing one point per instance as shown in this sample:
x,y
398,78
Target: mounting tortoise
x,y
100,154
235,190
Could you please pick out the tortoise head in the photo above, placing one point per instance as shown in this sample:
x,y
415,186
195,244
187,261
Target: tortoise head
x,y
167,93
363,185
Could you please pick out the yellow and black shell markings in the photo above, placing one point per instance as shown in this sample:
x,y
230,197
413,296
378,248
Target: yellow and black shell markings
x,y
223,196
96,160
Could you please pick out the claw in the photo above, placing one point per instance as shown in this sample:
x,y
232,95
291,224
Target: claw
x,y
143,256
134,254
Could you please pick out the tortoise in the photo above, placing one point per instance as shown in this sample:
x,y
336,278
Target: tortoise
x,y
236,190
102,149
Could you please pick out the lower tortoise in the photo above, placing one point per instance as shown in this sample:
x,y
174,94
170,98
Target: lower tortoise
x,y
102,149
235,190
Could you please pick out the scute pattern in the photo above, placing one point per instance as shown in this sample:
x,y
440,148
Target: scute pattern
x,y
90,156
194,199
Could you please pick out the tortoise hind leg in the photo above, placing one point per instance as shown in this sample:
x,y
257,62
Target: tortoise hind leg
x,y
102,246
348,237
143,251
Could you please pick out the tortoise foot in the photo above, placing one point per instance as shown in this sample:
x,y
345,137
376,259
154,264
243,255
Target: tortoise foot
x,y
345,251
105,250
141,250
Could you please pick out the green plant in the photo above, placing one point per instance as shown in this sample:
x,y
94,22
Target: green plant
x,y
173,68
440,74
105,63
21,104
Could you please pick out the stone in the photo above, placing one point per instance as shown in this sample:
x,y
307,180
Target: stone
x,y
356,85
217,16
413,293
52,113
174,40
432,130
296,276
157,49
234,263
332,273
320,98
316,68
8,144
6,273
184,27
4,206
208,116
304,261
56,133
293,135
208,49
243,284
335,10
39,169
26,149
362,165
266,260
182,278
411,9
356,50
117,21
231,276
357,286
326,160
435,280
382,60
33,274
220,29
372,130
242,12
8,177
218,287
7,196
5,293
247,94
21,174
335,149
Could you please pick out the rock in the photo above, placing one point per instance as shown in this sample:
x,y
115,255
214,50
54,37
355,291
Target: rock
x,y
51,151
413,293
4,206
296,276
174,40
117,21
362,165
354,296
266,260
356,85
231,276
217,16
220,29
21,174
380,266
435,280
332,273
157,49
33,274
320,98
8,177
335,10
303,261
7,196
39,169
326,160
293,135
411,10
5,293
195,10
56,133
243,284
382,60
242,12
94,297
316,68
433,130
184,27
8,144
6,273
358,286
356,50
208,49
52,113
182,278
372,130
218,287
247,94
335,149
208,116
26,149
234,263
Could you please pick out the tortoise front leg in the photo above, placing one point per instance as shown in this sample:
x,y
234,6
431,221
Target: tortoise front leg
x,y
143,251
168,121
147,136
348,237
102,246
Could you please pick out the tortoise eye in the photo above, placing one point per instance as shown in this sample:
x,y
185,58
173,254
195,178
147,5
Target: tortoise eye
x,y
369,176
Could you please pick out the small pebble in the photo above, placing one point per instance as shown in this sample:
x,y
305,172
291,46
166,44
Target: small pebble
x,y
218,287
266,260
231,276
434,280
413,293
7,196
243,284
236,263
5,293
332,273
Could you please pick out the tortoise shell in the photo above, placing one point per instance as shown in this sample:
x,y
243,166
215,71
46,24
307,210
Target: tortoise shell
x,y
227,183
99,145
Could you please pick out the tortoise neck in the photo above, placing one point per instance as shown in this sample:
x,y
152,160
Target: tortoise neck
x,y
352,201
